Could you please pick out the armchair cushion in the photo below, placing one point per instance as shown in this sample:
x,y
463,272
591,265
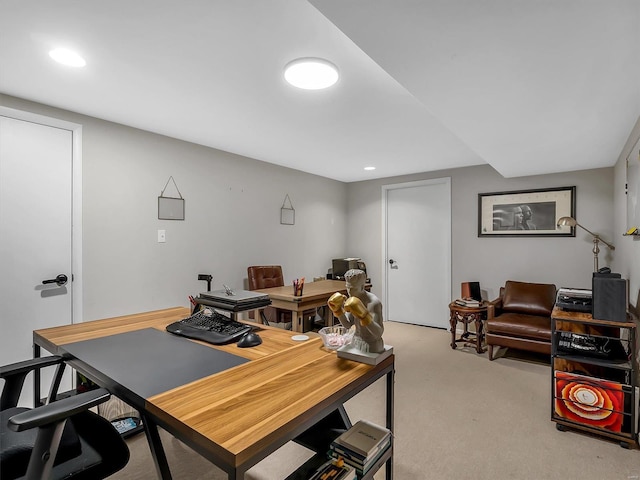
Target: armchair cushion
x,y
529,298
523,326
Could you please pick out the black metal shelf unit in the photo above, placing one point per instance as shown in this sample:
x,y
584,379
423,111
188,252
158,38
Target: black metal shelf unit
x,y
594,381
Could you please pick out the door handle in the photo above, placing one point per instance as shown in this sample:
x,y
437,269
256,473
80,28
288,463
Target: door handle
x,y
60,280
393,263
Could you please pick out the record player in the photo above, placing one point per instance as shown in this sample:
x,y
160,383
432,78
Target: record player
x,y
574,300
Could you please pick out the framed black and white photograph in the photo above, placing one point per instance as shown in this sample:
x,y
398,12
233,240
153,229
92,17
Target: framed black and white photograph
x,y
526,212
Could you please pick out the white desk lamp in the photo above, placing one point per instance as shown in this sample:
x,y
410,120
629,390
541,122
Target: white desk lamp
x,y
571,222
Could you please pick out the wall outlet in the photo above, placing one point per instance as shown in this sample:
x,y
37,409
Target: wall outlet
x,y
162,236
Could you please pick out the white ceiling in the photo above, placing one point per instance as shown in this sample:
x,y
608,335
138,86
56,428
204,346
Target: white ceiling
x,y
529,87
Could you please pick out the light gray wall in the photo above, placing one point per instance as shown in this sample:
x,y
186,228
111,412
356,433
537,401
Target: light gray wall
x,y
627,258
232,221
232,217
566,261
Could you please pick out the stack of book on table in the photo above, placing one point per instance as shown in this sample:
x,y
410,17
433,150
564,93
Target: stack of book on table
x,y
468,302
361,446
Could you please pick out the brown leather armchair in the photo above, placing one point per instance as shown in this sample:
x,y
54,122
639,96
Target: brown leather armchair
x,y
521,317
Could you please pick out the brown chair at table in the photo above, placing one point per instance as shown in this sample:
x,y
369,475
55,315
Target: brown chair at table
x,y
268,276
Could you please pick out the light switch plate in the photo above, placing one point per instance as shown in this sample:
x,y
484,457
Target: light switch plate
x,y
162,236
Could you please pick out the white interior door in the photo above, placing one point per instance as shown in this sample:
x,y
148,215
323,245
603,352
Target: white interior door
x,y
36,199
417,252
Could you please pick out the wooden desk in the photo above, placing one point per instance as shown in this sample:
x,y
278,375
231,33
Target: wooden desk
x,y
314,295
237,417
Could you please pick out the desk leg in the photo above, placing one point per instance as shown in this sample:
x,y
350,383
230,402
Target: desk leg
x,y
155,445
236,475
298,325
36,378
390,422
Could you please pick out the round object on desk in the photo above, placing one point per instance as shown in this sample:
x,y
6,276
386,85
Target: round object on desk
x,y
300,338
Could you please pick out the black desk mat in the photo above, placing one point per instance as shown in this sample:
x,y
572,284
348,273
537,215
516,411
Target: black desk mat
x,y
147,362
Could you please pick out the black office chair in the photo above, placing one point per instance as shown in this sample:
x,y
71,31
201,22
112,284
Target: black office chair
x,y
40,444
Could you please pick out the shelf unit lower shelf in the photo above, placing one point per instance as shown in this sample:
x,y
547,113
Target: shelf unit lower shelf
x,y
594,381
306,470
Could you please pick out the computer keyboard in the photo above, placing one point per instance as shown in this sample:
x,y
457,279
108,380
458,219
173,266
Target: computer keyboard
x,y
209,326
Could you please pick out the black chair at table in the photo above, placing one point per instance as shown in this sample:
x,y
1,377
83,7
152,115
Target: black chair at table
x,y
62,439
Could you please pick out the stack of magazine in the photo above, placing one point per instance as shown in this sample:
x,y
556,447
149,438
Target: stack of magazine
x,y
468,302
361,446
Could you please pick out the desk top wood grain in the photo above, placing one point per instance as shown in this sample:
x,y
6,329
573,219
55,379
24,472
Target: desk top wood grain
x,y
311,291
235,415
240,411
51,338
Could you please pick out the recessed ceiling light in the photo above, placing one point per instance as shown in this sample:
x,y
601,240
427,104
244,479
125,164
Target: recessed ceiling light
x,y
311,73
369,168
67,57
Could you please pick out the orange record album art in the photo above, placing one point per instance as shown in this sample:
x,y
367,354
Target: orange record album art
x,y
590,401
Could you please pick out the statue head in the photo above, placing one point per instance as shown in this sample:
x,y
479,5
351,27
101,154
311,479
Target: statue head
x,y
355,280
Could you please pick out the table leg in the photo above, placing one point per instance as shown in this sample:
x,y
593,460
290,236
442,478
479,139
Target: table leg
x,y
298,324
453,321
155,445
390,421
36,378
479,334
331,320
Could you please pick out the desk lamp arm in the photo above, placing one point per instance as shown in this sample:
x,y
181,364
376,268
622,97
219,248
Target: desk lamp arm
x,y
596,236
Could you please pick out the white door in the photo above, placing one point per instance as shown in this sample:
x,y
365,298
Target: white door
x,y
417,252
36,200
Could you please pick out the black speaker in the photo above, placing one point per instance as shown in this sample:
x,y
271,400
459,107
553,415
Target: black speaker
x,y
609,298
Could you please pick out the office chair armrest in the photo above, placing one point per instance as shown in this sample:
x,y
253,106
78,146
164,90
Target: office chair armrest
x,y
15,374
19,368
57,411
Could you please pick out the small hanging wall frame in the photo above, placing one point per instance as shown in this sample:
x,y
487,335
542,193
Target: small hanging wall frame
x,y
170,208
287,213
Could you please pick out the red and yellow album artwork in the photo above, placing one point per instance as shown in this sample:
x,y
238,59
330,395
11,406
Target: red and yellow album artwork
x,y
590,401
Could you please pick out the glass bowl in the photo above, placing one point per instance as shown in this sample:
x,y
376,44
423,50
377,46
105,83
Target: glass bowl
x,y
335,337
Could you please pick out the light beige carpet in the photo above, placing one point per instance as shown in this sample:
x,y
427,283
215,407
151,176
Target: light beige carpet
x,y
458,416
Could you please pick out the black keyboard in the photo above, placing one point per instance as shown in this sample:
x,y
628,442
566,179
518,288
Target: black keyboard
x,y
209,326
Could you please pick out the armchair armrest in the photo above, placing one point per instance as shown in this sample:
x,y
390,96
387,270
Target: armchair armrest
x,y
15,374
493,307
57,411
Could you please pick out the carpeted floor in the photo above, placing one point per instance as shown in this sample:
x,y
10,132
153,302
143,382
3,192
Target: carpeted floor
x,y
457,416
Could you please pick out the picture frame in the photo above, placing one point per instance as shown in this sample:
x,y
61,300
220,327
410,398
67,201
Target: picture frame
x,y
170,208
287,213
526,213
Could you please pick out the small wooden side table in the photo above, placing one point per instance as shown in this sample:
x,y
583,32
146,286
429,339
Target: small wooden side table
x,y
459,313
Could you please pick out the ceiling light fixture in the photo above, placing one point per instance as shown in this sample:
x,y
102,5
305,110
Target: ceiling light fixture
x,y
369,168
67,57
311,73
